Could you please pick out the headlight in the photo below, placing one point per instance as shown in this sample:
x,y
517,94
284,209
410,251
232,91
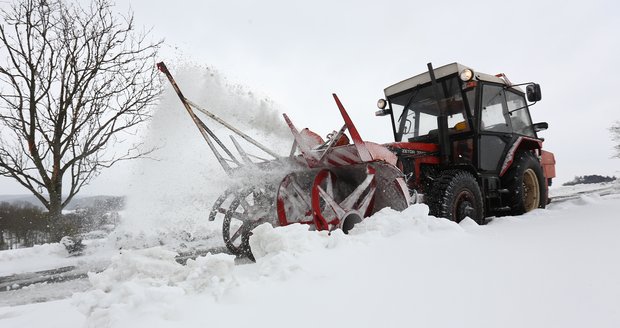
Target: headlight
x,y
381,103
466,75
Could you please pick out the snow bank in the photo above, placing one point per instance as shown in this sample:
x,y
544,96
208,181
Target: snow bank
x,y
149,280
54,255
549,268
564,191
267,241
52,249
21,260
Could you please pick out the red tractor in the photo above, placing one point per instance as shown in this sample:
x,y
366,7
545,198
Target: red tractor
x,y
466,143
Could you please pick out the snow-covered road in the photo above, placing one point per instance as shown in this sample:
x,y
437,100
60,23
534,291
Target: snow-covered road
x,y
558,267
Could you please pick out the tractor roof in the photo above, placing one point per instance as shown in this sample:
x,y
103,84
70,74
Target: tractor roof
x,y
440,72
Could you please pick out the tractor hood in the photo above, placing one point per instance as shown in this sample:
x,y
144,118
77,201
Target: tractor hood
x,y
412,148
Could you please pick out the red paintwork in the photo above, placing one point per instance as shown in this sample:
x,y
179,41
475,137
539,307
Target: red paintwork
x,y
435,160
301,143
357,139
281,210
319,220
548,164
420,158
528,144
422,146
312,138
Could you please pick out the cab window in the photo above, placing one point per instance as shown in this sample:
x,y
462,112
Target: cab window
x,y
519,116
494,116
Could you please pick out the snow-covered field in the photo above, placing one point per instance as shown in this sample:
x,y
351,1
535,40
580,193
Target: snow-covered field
x,y
557,267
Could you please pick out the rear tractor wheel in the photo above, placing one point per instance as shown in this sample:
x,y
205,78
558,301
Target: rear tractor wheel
x,y
526,184
456,195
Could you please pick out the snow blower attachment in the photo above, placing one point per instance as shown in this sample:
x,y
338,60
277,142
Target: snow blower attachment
x,y
329,185
464,143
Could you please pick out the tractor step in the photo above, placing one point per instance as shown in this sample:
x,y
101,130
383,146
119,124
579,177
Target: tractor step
x,y
496,194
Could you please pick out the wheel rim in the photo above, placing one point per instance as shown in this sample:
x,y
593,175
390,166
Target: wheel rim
x,y
531,190
464,206
221,205
249,209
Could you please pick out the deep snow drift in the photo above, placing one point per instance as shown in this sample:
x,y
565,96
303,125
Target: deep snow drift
x,y
549,268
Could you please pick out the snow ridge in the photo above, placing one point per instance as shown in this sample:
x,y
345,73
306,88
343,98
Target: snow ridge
x,y
148,280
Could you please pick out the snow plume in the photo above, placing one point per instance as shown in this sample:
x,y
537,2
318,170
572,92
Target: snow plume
x,y
171,195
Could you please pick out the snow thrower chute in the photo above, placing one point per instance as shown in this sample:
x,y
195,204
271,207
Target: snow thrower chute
x,y
327,185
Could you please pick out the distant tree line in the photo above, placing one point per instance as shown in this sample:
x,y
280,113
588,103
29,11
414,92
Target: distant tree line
x,y
22,216
587,179
615,136
26,224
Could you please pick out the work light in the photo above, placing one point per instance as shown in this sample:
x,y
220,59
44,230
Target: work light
x,y
466,75
381,103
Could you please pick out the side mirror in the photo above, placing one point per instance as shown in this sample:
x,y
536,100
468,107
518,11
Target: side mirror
x,y
533,92
540,126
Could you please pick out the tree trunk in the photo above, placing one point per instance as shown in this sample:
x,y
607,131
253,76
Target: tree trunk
x,y
55,209
57,226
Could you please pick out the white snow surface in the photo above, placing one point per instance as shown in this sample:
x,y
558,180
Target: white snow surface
x,y
556,267
52,256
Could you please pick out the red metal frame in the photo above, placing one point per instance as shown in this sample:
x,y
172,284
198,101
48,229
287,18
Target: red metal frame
x,y
420,146
530,143
320,222
363,152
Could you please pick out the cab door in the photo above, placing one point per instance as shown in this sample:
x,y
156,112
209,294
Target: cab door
x,y
495,131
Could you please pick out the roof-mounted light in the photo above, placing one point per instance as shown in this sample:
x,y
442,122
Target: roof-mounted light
x,y
466,75
381,103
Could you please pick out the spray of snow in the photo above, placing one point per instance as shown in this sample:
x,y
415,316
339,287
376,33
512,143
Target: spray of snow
x,y
171,195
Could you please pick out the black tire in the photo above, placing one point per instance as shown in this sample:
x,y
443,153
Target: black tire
x,y
526,184
456,195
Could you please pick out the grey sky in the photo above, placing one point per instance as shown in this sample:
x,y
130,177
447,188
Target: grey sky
x,y
298,53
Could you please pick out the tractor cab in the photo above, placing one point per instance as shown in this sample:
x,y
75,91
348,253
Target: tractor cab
x,y
453,118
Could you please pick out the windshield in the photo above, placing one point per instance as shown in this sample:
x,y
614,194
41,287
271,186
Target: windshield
x,y
415,112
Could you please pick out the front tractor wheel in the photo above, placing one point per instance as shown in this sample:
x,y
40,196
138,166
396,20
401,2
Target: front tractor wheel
x,y
456,195
526,184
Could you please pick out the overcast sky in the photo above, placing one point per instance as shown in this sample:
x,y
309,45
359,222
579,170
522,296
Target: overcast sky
x,y
298,53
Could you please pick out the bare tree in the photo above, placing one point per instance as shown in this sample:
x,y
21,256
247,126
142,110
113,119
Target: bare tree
x,y
74,81
615,136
